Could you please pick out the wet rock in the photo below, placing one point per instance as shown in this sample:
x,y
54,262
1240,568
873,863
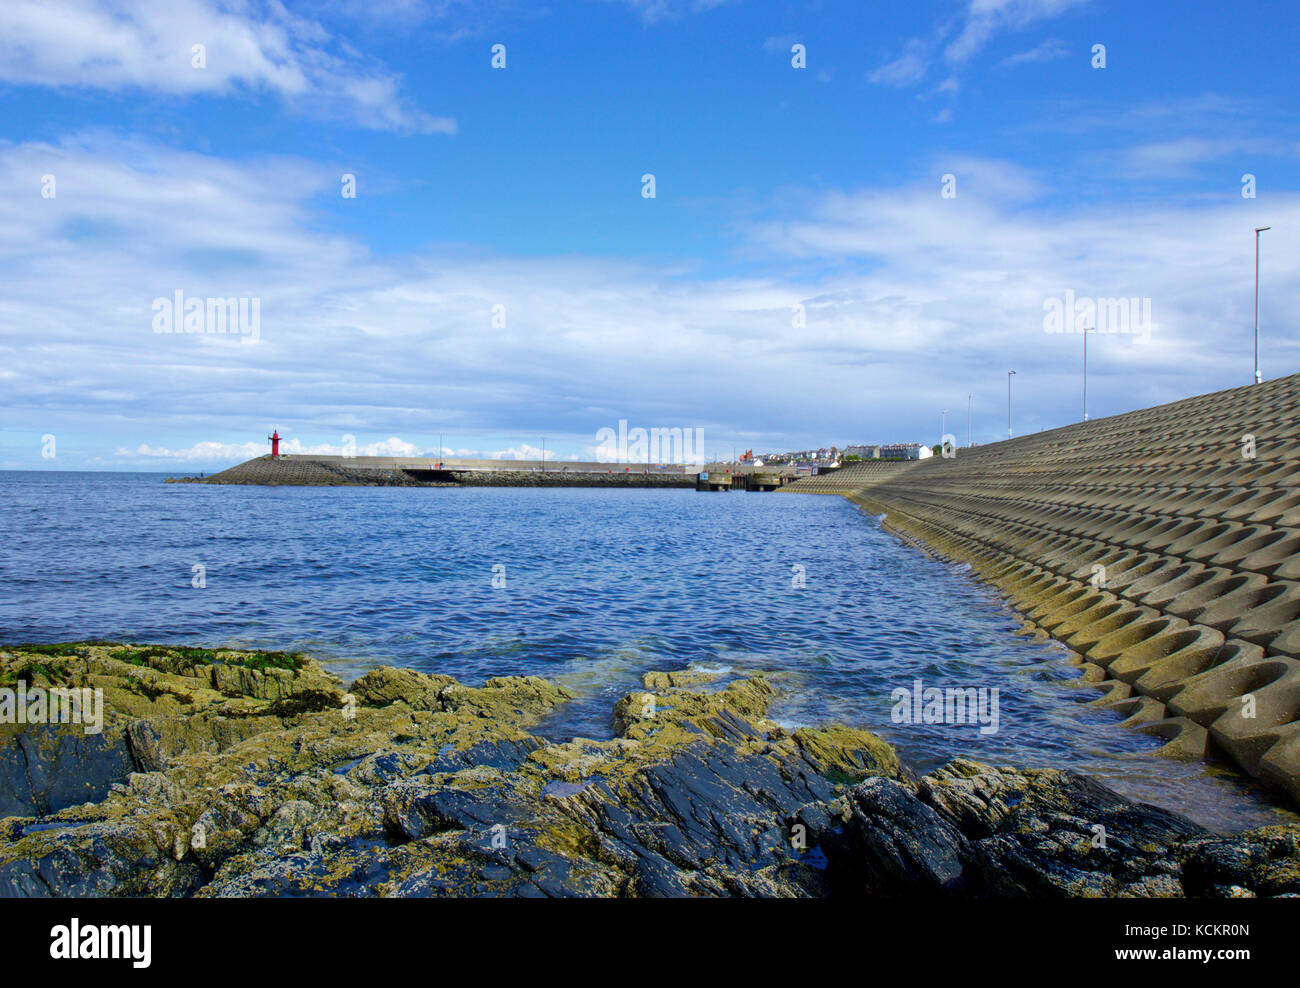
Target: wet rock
x,y
879,839
1259,862
408,784
385,685
977,830
1048,833
48,768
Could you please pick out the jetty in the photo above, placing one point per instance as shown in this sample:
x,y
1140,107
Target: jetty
x,y
1161,547
311,470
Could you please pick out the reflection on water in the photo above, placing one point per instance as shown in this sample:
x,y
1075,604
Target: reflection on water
x,y
600,587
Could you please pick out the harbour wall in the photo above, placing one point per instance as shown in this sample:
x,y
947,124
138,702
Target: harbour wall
x,y
393,471
385,471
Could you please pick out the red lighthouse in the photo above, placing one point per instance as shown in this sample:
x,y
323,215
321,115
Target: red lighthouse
x,y
275,444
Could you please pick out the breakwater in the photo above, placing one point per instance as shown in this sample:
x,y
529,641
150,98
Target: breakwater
x,y
1162,547
387,471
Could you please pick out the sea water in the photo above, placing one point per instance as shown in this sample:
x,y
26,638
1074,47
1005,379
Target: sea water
x,y
590,587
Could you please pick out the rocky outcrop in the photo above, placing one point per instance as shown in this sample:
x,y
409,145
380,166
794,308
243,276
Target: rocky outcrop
x,y
972,829
248,774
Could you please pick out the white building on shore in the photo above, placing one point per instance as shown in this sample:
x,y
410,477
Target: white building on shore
x,y
905,451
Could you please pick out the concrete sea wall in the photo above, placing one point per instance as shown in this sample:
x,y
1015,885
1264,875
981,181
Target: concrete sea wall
x,y
1162,547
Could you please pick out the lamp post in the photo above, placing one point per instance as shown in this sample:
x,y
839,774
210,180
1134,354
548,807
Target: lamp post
x,y
1085,373
968,398
1009,373
1258,230
943,424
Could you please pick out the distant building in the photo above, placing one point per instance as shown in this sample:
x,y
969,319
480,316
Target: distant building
x,y
863,452
905,451
806,457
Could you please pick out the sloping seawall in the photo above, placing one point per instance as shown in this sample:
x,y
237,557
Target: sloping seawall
x,y
1161,546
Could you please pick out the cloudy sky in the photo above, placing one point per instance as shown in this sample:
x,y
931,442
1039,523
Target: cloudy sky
x,y
833,253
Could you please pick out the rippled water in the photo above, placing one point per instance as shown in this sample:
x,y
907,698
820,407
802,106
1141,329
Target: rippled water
x,y
600,586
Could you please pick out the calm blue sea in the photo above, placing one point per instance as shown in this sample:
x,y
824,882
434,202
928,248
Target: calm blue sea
x,y
599,587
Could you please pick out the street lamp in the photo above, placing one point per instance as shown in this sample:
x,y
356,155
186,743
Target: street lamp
x,y
1085,373
943,424
1009,373
1258,230
968,398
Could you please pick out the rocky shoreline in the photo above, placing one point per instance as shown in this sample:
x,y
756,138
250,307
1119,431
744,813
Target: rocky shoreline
x,y
231,773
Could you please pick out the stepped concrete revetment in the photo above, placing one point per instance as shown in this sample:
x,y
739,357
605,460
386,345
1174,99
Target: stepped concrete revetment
x,y
1161,546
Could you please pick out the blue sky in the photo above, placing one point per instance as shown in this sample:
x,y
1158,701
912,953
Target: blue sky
x,y
521,187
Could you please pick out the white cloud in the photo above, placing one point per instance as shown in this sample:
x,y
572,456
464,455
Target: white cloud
x,y
906,70
1048,51
978,24
202,452
249,48
211,451
657,10
899,284
954,283
522,452
1180,156
214,451
985,18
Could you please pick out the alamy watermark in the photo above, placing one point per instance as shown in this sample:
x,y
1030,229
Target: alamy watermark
x,y
956,705
672,445
222,316
102,942
1071,314
56,705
